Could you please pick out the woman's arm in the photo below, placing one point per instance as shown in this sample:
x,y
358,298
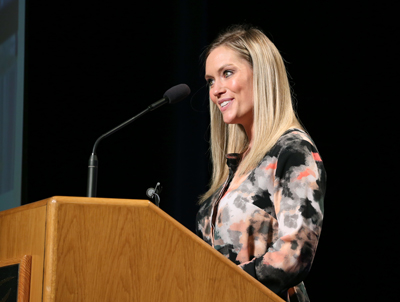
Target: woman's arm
x,y
299,190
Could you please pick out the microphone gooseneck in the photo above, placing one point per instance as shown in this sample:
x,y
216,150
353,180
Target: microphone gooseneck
x,y
171,96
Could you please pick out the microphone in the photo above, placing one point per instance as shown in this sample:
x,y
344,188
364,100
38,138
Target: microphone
x,y
171,96
155,193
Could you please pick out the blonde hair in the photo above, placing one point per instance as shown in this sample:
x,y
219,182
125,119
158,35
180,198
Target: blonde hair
x,y
273,109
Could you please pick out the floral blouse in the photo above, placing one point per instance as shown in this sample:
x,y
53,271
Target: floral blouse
x,y
270,224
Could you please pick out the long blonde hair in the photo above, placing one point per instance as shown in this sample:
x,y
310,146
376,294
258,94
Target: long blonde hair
x,y
273,109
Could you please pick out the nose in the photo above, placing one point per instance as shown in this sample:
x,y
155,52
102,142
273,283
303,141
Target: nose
x,y
217,89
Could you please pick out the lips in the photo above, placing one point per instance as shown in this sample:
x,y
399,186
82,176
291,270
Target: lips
x,y
224,103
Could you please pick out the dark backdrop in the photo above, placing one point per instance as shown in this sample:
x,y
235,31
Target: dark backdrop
x,y
91,65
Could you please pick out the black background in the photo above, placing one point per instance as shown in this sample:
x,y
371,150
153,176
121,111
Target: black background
x,y
9,282
92,65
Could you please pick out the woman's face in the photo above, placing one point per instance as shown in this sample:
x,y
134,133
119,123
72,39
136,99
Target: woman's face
x,y
230,79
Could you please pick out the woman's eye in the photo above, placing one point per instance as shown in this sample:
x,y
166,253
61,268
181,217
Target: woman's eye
x,y
227,73
210,82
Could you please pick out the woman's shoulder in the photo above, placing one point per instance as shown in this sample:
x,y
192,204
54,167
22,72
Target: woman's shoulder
x,y
295,150
293,140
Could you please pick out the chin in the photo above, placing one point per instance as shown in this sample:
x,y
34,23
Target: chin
x,y
231,121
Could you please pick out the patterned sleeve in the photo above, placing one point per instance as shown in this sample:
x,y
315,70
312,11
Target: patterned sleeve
x,y
299,188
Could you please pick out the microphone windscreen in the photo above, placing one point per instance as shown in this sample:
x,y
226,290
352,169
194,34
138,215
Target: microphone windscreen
x,y
177,93
150,192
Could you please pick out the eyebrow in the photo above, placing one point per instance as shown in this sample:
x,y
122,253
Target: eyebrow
x,y
219,70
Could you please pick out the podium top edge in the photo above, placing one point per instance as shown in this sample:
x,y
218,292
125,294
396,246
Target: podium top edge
x,y
97,200
78,200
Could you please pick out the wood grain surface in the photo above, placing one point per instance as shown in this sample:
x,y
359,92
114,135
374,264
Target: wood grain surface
x,y
98,249
24,281
113,250
22,232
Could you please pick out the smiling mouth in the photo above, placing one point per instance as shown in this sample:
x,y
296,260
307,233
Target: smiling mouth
x,y
225,103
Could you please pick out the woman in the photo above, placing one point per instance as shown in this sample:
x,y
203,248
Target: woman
x,y
264,208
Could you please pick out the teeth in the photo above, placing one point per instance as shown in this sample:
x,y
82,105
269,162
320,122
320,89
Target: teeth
x,y
224,103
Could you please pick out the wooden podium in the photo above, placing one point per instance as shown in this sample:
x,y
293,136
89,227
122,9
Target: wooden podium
x,y
97,249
